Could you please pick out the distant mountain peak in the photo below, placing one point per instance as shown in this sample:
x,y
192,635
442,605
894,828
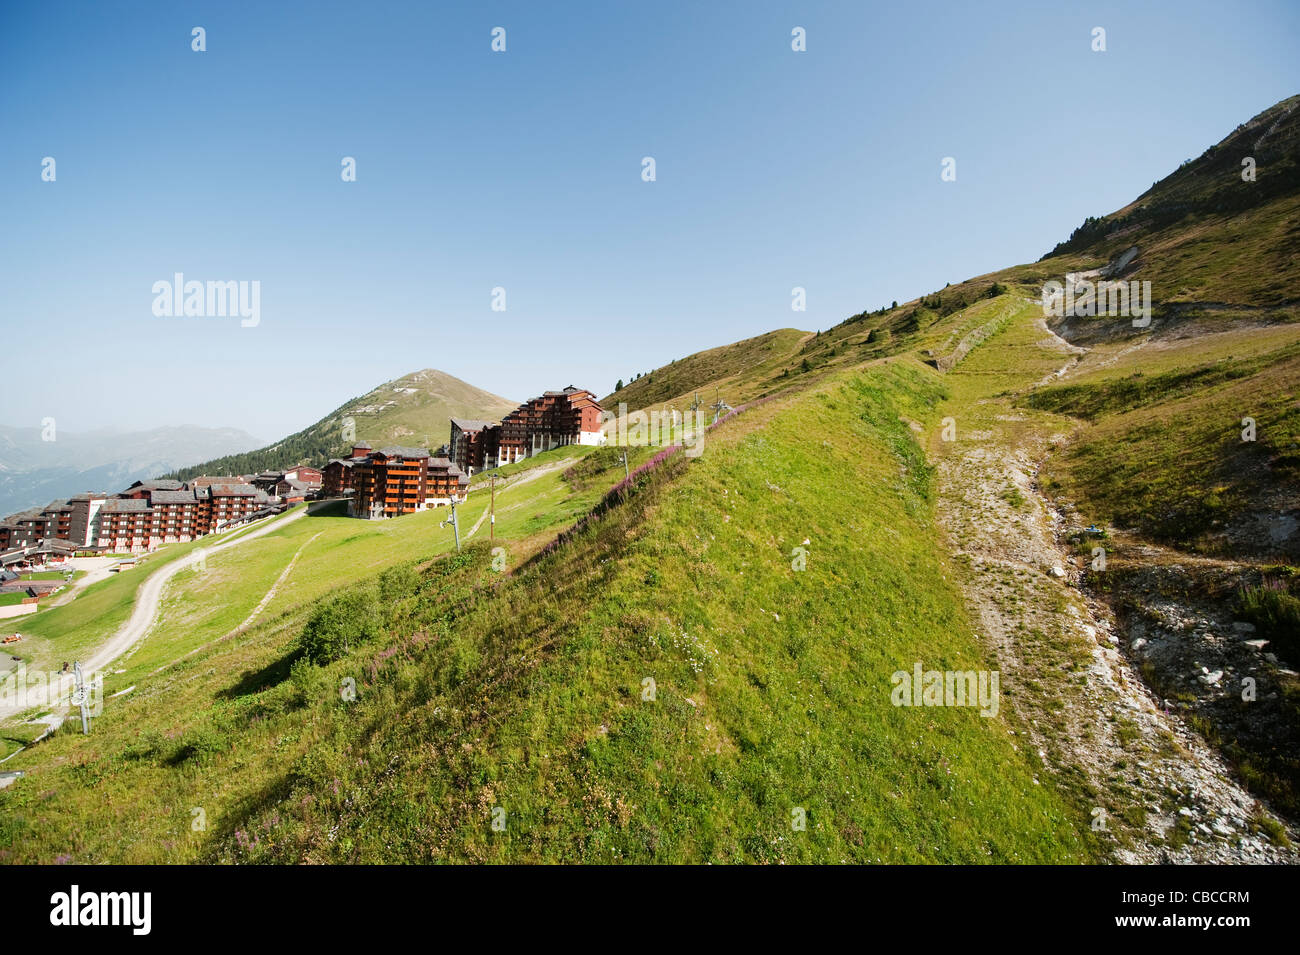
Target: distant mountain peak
x,y
415,407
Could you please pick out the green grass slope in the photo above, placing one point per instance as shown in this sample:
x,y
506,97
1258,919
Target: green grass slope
x,y
1160,449
521,698
739,371
1204,233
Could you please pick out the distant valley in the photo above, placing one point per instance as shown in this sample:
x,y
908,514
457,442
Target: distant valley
x,y
34,471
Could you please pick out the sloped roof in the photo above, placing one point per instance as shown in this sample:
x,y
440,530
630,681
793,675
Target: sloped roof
x,y
398,451
233,489
172,497
158,485
125,505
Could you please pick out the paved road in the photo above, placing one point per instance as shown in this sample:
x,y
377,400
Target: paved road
x,y
147,599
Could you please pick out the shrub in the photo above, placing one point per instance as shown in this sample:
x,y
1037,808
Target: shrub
x,y
308,682
341,623
198,745
595,463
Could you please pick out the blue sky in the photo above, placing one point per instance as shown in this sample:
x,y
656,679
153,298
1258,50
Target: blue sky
x,y
522,170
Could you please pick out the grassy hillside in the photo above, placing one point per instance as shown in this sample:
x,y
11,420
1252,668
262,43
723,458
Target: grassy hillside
x,y
412,410
525,692
739,371
1162,449
1205,234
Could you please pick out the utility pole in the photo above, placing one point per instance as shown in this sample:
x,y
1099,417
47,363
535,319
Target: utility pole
x,y
79,698
492,517
455,524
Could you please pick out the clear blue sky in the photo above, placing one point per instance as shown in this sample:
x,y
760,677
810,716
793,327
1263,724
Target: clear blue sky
x,y
523,170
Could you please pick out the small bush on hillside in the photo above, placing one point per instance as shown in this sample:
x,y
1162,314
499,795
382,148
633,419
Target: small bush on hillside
x,y
338,624
197,746
878,335
308,682
996,289
595,463
399,581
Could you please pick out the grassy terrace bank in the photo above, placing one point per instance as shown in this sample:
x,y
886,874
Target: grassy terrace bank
x,y
523,693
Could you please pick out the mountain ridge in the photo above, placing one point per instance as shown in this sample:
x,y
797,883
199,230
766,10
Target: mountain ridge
x,y
413,409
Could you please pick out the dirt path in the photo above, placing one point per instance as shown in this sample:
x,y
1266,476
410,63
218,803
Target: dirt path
x,y
1160,792
147,598
252,617
96,568
524,478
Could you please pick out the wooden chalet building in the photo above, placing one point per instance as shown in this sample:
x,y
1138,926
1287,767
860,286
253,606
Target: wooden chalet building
x,y
553,420
336,479
470,443
309,478
394,480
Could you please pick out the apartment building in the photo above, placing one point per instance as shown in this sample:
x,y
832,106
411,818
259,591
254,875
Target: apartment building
x,y
26,528
145,515
229,503
470,442
336,479
446,482
177,516
552,420
396,480
126,525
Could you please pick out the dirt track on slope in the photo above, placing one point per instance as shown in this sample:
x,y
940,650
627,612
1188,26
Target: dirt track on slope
x,y
1162,794
147,599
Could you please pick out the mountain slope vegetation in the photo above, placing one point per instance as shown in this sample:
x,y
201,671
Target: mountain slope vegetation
x,y
412,410
527,695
